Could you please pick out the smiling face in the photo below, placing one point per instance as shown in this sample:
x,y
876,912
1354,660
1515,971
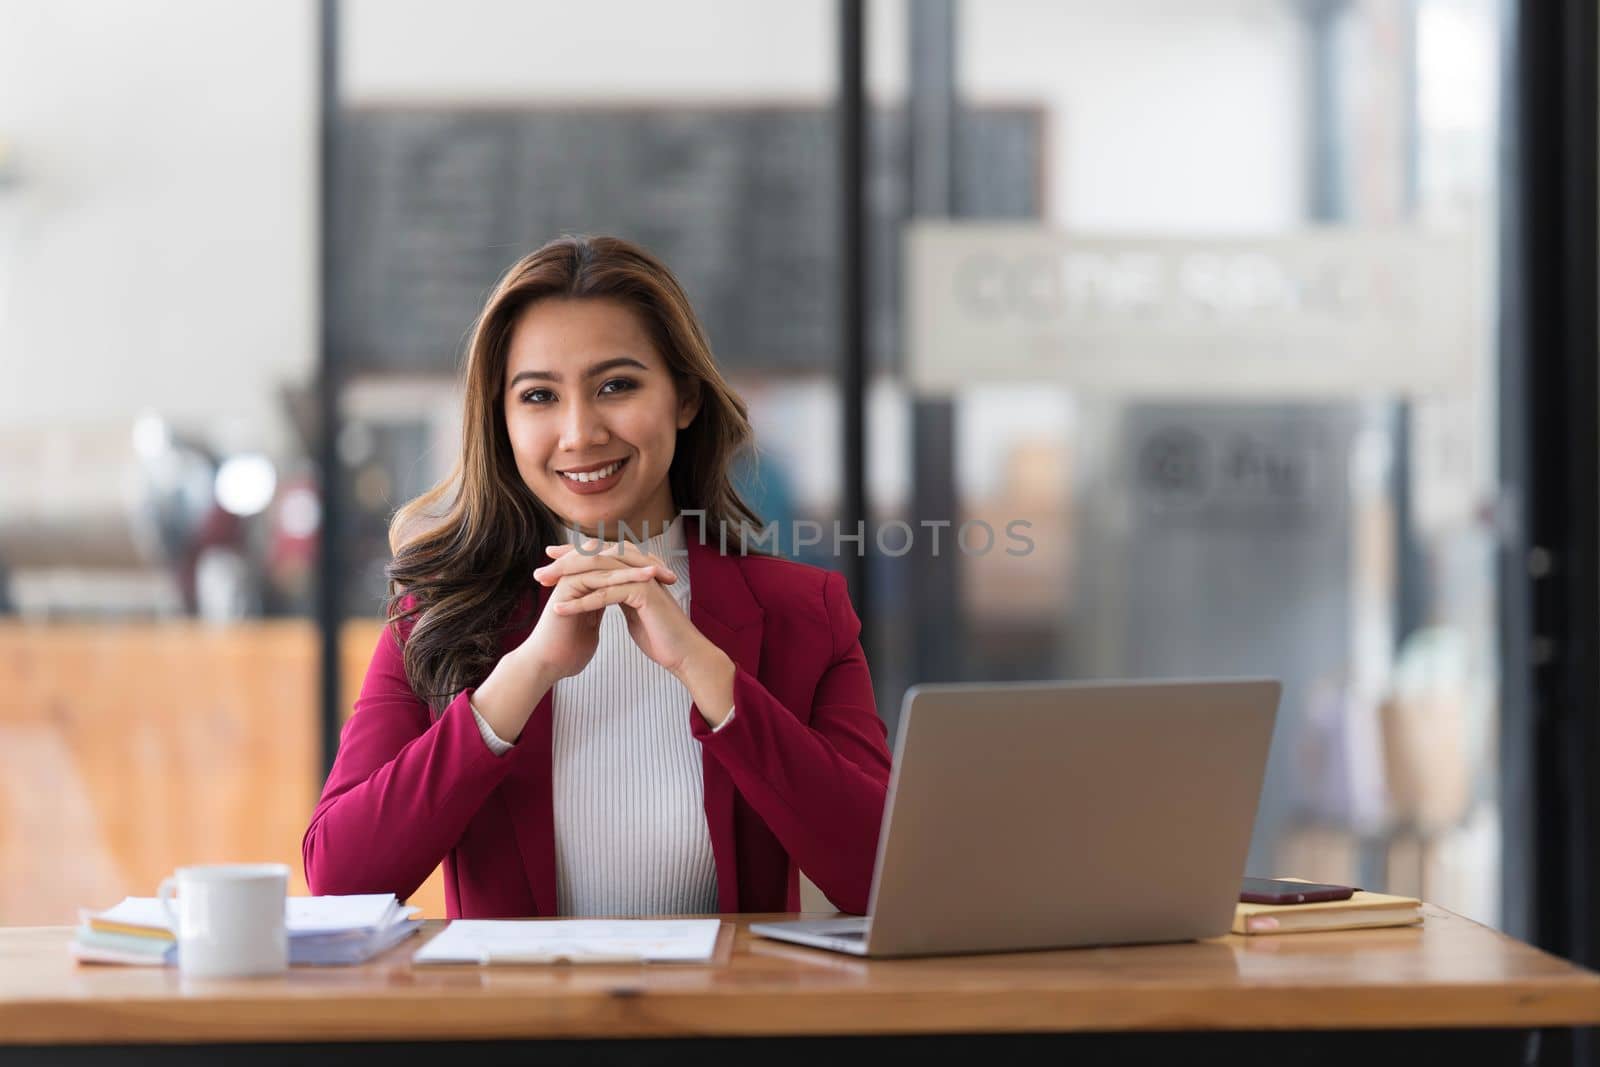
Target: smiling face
x,y
593,414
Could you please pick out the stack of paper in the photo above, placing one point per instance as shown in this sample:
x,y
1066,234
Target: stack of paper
x,y
322,930
127,933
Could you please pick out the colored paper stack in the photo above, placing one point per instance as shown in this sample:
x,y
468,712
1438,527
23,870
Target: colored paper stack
x,y
128,933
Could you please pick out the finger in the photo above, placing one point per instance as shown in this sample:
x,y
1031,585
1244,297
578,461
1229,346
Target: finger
x,y
632,593
589,549
655,574
578,584
612,553
590,546
633,553
627,551
575,563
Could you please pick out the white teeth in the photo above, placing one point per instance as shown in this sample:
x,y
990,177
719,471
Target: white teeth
x,y
594,476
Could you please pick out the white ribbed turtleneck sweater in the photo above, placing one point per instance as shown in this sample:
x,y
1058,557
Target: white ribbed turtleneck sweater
x,y
631,836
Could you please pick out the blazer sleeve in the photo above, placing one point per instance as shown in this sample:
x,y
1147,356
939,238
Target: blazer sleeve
x,y
402,789
820,787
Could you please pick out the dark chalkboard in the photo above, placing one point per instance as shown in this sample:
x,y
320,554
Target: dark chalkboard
x,y
434,204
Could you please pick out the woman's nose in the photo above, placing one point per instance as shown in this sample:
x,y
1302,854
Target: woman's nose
x,y
582,428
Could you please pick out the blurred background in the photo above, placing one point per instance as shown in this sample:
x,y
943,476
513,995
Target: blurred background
x,y
241,245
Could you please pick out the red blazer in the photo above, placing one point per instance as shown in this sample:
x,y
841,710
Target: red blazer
x,y
795,782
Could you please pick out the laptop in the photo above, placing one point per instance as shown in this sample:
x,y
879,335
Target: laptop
x,y
1061,814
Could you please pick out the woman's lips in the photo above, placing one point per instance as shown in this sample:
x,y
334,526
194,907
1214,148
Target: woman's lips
x,y
594,485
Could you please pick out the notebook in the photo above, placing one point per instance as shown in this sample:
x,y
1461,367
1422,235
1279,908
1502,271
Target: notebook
x,y
1362,910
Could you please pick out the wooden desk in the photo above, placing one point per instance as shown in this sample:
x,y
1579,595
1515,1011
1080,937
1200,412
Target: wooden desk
x,y
1450,987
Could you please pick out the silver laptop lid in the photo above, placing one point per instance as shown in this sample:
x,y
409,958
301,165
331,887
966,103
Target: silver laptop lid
x,y
1040,814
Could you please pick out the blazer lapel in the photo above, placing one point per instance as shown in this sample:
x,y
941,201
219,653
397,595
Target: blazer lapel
x,y
722,607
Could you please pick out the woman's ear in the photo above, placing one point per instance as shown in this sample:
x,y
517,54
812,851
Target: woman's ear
x,y
688,401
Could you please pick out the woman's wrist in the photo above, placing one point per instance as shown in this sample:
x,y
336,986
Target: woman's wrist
x,y
507,698
708,674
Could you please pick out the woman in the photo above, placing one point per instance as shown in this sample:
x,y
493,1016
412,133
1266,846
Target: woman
x,y
581,727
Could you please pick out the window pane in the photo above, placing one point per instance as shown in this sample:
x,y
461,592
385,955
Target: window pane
x,y
1340,539
158,507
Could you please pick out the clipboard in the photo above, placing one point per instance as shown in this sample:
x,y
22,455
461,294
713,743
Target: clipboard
x,y
496,959
544,942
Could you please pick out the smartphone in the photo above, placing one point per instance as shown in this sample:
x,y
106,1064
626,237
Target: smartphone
x,y
1277,891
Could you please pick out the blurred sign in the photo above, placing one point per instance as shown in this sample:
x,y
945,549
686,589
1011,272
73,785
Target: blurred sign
x,y
436,201
1336,312
1256,475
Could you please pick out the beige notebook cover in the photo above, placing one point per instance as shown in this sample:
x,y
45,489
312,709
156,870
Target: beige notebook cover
x,y
1361,910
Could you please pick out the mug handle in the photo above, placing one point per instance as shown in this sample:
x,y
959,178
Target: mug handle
x,y
169,887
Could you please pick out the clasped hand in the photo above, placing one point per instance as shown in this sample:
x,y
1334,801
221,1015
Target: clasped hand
x,y
585,582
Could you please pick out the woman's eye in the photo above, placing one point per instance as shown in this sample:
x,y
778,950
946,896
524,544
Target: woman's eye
x,y
611,386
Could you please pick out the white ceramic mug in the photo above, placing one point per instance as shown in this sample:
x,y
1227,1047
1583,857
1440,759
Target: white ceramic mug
x,y
229,918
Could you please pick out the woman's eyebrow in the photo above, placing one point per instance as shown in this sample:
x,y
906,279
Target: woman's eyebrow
x,y
599,368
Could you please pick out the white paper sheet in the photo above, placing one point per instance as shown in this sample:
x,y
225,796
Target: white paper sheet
x,y
485,941
363,911
304,916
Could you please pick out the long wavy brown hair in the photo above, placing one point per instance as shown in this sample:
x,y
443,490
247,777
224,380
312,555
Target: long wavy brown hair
x,y
465,549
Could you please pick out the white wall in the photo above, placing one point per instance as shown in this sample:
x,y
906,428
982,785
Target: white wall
x,y
1169,115
159,243
637,51
1165,116
158,251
